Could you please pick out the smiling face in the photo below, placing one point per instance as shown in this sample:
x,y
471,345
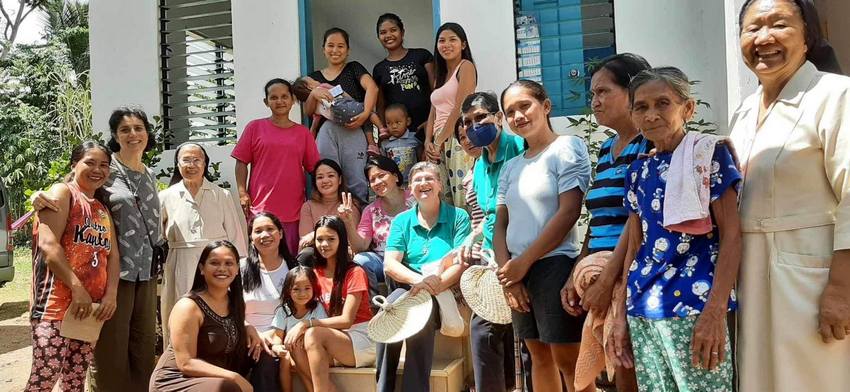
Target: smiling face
x,y
610,101
327,181
336,50
773,39
190,162
92,171
382,181
131,134
220,268
425,186
390,35
327,242
301,291
278,99
526,115
659,112
265,235
450,45
397,122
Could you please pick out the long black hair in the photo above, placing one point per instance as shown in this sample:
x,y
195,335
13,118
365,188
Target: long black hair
x,y
286,301
235,300
251,269
176,176
441,70
819,52
343,261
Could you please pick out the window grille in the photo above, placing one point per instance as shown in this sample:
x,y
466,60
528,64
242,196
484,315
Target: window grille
x,y
557,40
197,75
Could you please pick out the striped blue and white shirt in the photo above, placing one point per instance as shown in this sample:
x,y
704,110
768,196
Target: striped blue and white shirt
x,y
605,198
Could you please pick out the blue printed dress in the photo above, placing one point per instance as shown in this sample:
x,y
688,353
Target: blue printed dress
x,y
672,273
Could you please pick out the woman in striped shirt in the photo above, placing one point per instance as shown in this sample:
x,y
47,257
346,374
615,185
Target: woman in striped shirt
x,y
609,88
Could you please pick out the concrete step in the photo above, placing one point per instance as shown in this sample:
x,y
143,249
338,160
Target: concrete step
x,y
446,376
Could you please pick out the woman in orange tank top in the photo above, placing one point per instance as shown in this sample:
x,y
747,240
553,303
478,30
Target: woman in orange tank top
x,y
74,265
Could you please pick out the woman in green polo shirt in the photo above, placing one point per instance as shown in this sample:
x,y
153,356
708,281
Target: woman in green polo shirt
x,y
420,239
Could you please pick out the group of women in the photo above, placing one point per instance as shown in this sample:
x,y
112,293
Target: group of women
x,y
292,297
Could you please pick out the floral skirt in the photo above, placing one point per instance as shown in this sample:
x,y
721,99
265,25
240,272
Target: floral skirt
x,y
662,350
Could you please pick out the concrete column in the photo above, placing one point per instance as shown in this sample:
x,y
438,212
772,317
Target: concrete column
x,y
124,57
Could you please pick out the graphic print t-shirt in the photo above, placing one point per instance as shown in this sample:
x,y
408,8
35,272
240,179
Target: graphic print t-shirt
x,y
406,81
86,241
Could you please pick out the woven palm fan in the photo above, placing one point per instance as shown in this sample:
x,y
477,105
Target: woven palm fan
x,y
482,291
401,318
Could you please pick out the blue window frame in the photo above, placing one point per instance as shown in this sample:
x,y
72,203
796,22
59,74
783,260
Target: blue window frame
x,y
556,40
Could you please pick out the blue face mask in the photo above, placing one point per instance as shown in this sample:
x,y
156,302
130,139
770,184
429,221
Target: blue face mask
x,y
481,135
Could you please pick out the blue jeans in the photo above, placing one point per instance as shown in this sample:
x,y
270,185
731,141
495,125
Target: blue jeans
x,y
373,264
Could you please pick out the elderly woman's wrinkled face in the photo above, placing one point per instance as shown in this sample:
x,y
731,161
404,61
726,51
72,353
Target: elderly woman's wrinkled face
x,y
773,38
659,112
425,185
190,162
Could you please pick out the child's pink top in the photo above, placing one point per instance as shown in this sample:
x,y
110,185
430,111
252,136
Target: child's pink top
x,y
278,158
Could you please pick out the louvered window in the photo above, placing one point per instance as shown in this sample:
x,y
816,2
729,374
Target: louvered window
x,y
557,40
196,45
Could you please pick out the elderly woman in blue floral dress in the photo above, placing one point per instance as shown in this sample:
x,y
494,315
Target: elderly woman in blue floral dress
x,y
681,273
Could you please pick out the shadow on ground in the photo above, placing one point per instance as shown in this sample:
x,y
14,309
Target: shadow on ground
x,y
14,337
10,310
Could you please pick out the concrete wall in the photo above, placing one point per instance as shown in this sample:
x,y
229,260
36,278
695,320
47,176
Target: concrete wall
x,y
124,57
266,45
688,34
834,15
417,16
489,27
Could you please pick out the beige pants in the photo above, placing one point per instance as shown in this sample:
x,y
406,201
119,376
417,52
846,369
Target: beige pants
x,y
779,348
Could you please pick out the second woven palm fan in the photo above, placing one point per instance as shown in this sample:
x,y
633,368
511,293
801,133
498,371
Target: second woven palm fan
x,y
400,316
482,291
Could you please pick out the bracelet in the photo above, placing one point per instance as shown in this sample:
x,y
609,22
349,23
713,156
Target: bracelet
x,y
310,323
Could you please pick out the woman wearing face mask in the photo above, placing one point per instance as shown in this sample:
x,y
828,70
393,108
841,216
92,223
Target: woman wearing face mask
x,y
194,212
405,76
482,130
456,77
793,137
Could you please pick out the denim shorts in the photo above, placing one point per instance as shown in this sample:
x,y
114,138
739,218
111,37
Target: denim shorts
x,y
548,321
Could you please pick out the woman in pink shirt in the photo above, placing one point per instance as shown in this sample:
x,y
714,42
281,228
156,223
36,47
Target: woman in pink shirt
x,y
279,152
456,78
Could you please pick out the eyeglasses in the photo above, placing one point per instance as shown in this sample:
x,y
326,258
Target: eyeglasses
x,y
191,162
476,119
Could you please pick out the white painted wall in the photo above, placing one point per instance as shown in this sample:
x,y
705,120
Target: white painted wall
x,y
266,45
417,16
688,34
741,82
124,44
489,25
834,15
